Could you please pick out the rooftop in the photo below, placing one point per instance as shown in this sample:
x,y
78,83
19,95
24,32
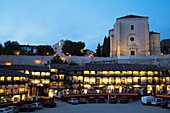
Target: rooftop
x,y
7,72
132,16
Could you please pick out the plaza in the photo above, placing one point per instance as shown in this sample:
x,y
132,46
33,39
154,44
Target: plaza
x,y
131,107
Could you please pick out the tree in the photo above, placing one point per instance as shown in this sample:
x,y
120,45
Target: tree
x,y
98,51
1,49
12,48
45,50
73,48
106,47
56,60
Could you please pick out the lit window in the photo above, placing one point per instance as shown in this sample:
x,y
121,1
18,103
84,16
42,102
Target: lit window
x,y
142,73
2,78
92,72
135,73
37,73
150,73
9,78
117,72
54,70
16,78
86,72
105,72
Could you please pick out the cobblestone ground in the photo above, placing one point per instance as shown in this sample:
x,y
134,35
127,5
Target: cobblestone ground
x,y
132,107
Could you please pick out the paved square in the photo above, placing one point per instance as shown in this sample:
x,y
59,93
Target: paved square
x,y
132,107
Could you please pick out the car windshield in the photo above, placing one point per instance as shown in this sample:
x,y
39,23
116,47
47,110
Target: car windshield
x,y
6,109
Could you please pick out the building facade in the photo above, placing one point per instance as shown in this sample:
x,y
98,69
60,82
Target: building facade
x,y
58,48
126,78
13,86
131,36
20,82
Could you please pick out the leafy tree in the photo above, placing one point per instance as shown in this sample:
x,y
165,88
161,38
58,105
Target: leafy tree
x,y
45,50
12,48
73,48
98,51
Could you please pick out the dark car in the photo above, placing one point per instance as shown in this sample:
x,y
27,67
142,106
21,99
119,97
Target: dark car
x,y
92,100
124,99
112,100
165,104
82,100
49,104
101,100
26,108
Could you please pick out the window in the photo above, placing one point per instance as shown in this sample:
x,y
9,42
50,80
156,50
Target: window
x,y
132,39
132,52
132,27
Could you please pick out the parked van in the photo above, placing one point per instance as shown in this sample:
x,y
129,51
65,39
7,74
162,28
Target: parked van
x,y
157,101
146,99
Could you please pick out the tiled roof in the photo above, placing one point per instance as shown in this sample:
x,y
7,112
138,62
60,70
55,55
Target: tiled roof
x,y
29,68
76,68
5,72
151,32
59,66
121,67
132,16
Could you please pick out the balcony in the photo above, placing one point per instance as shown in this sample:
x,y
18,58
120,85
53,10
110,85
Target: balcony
x,y
9,93
15,93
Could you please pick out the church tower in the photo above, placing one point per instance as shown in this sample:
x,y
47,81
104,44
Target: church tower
x,y
130,36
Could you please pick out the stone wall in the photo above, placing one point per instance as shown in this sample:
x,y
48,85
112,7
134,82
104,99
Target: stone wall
x,y
160,60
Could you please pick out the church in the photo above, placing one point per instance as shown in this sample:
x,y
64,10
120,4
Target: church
x,y
131,36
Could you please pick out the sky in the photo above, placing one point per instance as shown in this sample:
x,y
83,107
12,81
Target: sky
x,y
45,22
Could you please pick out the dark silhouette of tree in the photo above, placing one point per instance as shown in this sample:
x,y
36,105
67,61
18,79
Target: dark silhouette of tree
x,y
106,47
45,50
73,48
1,49
57,60
98,51
12,48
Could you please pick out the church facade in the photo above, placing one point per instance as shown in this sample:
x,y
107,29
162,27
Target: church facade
x,y
131,36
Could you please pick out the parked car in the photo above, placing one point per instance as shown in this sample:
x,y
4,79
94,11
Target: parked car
x,y
124,99
26,108
14,109
165,104
73,101
101,100
157,101
146,99
38,105
5,110
49,104
82,101
112,100
92,100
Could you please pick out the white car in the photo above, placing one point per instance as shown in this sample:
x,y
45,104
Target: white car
x,y
146,99
38,105
73,101
15,109
5,110
157,101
